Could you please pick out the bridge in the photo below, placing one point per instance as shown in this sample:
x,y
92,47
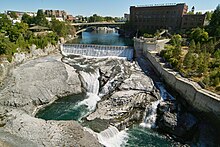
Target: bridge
x,y
81,27
99,24
93,50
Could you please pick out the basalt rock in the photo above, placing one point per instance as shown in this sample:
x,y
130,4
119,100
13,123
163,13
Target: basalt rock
x,y
177,123
32,84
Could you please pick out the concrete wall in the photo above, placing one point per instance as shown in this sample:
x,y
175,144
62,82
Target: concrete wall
x,y
201,99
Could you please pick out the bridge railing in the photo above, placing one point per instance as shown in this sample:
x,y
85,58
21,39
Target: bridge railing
x,y
97,50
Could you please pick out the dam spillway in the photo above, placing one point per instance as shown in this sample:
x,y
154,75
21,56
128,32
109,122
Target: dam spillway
x,y
97,50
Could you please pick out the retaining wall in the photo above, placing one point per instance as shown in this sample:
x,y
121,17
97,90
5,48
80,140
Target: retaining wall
x,y
201,99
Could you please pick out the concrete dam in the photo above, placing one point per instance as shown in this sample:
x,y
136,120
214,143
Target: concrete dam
x,y
97,50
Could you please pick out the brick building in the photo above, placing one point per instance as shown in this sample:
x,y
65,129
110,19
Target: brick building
x,y
56,13
192,21
165,16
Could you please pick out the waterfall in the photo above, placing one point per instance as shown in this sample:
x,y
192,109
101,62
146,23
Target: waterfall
x,y
151,115
111,137
164,94
91,83
98,50
151,112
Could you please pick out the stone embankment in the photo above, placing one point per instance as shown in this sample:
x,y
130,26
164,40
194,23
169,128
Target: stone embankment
x,y
202,100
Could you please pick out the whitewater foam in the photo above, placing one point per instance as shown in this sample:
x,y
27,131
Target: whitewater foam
x,y
151,115
111,137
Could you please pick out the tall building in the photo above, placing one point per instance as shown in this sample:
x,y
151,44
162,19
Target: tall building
x,y
170,16
56,13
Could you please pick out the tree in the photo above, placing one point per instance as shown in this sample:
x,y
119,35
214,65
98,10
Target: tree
x,y
188,60
199,35
192,46
5,23
13,15
27,19
40,19
59,27
176,40
209,15
214,25
198,48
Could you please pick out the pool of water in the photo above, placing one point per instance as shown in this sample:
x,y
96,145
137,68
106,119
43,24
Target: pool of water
x,y
66,108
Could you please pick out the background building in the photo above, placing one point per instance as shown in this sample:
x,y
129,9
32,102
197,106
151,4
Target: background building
x,y
192,21
170,16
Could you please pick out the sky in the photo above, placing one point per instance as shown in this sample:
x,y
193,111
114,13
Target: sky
x,y
100,7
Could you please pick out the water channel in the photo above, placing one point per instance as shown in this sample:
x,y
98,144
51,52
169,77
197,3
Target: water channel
x,y
70,108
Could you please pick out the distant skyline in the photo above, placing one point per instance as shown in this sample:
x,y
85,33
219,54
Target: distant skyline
x,y
99,7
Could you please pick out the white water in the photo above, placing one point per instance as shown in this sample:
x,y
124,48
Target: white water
x,y
110,137
164,94
151,112
98,50
92,86
91,80
151,115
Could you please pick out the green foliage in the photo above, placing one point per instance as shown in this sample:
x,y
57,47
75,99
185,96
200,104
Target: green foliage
x,y
214,25
40,19
199,35
27,19
13,15
4,23
61,28
95,18
176,40
209,15
146,35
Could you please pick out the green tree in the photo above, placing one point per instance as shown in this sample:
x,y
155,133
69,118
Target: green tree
x,y
59,27
214,25
192,46
27,19
209,15
40,19
5,23
13,15
188,60
199,35
176,40
198,48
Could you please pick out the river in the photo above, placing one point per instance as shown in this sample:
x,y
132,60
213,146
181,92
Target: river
x,y
70,109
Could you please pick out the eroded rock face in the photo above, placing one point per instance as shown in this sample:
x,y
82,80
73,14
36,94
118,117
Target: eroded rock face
x,y
38,82
174,122
48,133
30,85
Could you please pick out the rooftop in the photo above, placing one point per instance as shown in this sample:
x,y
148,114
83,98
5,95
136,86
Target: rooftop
x,y
159,5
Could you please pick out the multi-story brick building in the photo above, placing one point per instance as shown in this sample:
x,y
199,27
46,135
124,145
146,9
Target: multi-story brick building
x,y
56,13
165,16
192,21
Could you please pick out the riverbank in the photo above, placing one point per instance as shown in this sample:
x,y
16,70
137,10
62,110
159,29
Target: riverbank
x,y
201,100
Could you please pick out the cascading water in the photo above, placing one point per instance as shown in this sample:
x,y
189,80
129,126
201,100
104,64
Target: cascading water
x,y
111,137
151,115
151,112
91,83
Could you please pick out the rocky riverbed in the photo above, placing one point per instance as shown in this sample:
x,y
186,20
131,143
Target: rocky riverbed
x,y
122,95
33,84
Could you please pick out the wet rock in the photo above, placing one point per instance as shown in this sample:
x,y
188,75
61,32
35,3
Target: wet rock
x,y
39,81
181,125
